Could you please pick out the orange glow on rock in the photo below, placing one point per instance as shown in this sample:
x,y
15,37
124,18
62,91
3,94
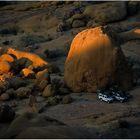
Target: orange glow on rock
x,y
4,67
26,72
137,31
93,62
6,57
37,61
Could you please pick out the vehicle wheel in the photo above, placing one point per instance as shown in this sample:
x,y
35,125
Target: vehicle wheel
x,y
100,99
121,101
108,102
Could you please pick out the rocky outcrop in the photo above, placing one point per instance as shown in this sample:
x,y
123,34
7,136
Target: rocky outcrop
x,y
37,61
107,12
96,61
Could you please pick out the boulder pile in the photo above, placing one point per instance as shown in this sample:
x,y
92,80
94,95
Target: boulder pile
x,y
21,73
24,74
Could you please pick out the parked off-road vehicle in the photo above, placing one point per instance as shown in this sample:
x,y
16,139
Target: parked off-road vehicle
x,y
118,95
104,96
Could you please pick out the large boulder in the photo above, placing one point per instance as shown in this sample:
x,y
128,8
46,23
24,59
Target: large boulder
x,y
95,61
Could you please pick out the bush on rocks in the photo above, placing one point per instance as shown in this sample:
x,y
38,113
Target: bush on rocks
x,y
53,68
10,92
10,30
63,26
31,39
77,17
50,54
63,91
78,23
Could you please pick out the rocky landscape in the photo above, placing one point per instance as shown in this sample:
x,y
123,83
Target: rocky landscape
x,y
53,58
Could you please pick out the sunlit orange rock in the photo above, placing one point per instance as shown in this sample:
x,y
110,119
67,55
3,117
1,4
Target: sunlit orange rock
x,y
133,34
27,72
4,67
95,61
37,61
6,57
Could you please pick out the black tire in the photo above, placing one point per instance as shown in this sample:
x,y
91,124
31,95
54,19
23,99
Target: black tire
x,y
100,99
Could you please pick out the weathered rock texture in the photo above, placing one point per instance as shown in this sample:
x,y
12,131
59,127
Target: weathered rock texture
x,y
96,61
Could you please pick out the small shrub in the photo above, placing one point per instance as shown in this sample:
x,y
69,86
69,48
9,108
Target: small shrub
x,y
30,39
13,30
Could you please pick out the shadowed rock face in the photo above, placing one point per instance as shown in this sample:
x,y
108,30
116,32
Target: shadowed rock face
x,y
7,114
95,61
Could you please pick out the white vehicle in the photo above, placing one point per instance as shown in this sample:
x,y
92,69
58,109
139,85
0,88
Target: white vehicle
x,y
119,97
105,97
